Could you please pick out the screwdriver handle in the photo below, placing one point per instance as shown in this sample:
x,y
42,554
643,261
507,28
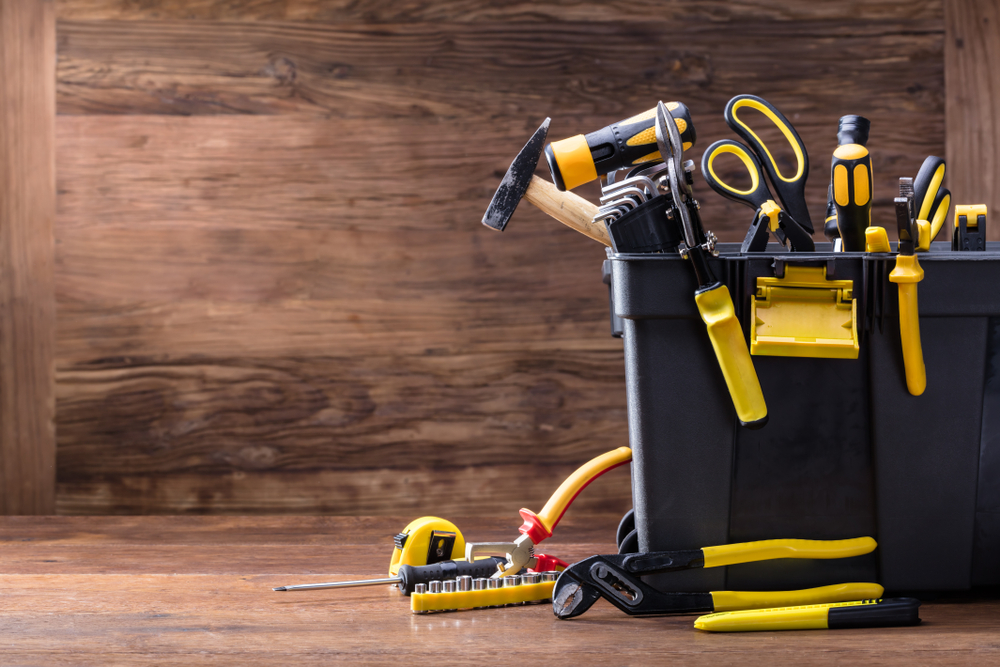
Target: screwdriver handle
x,y
851,173
627,143
411,575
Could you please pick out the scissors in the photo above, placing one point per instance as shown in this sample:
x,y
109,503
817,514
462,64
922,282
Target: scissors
x,y
795,226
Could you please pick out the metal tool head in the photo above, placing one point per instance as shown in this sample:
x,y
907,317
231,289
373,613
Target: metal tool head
x,y
515,182
572,597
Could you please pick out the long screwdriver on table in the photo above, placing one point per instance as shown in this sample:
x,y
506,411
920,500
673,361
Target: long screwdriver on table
x,y
411,575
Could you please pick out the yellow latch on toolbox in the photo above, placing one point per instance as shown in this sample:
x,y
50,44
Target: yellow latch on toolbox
x,y
804,315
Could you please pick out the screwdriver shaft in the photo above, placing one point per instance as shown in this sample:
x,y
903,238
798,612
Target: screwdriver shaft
x,y
341,584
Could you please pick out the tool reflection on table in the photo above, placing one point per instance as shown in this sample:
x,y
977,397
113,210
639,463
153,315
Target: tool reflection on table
x,y
616,578
791,190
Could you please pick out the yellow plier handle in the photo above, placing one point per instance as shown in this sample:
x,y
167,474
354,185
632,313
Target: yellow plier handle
x,y
541,525
751,552
733,600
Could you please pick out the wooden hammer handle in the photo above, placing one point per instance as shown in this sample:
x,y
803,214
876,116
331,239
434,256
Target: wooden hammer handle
x,y
572,210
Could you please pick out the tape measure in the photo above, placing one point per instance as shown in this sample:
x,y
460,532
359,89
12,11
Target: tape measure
x,y
426,541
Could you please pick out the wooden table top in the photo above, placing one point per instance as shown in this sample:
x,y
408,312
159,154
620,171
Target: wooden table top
x,y
168,590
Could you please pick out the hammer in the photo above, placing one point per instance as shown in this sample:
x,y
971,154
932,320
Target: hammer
x,y
520,182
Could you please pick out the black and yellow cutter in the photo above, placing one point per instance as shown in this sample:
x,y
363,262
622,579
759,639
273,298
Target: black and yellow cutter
x,y
616,578
913,235
890,612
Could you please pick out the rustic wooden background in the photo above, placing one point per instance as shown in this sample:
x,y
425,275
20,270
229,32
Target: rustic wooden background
x,y
272,290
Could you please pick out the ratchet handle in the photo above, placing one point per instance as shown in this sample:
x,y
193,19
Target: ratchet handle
x,y
628,143
790,189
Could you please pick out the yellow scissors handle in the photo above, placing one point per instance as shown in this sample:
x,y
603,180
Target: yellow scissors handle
x,y
790,188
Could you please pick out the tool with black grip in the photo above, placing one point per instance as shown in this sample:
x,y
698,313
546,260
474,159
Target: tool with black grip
x,y
790,189
712,296
622,145
879,613
851,175
930,199
409,576
768,216
617,578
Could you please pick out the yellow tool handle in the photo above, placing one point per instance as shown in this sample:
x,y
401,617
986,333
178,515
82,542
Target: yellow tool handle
x,y
575,483
750,552
716,308
877,240
907,274
733,600
804,617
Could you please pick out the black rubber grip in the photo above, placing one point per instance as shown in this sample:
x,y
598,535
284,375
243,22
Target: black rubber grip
x,y
632,141
890,612
447,569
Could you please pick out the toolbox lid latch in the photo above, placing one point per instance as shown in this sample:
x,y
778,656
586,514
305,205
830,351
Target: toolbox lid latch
x,y
802,314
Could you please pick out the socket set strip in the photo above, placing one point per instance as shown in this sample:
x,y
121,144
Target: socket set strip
x,y
468,593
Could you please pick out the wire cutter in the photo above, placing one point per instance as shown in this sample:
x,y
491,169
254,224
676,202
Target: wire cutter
x,y
538,527
616,579
793,226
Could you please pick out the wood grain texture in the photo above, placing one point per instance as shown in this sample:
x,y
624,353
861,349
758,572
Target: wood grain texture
x,y
272,282
472,11
27,298
196,591
973,86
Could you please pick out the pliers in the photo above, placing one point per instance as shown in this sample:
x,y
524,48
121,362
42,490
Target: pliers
x,y
616,579
520,553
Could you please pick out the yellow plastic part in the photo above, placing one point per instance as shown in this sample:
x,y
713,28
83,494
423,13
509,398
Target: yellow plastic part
x,y
850,152
647,158
742,154
487,598
923,243
797,148
647,136
840,191
940,216
581,477
751,552
576,164
907,274
804,617
417,546
971,212
716,308
732,600
862,187
771,210
876,240
804,315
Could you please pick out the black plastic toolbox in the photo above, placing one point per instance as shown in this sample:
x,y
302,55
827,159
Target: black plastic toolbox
x,y
847,451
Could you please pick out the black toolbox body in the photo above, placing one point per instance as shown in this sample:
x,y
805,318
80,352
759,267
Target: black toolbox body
x,y
847,451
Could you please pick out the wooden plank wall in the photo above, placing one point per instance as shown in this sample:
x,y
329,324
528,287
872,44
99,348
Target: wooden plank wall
x,y
274,293
27,296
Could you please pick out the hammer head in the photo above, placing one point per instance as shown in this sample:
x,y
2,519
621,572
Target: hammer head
x,y
515,182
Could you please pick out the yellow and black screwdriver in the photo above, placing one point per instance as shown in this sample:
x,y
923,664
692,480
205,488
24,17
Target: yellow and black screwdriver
x,y
628,143
851,174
